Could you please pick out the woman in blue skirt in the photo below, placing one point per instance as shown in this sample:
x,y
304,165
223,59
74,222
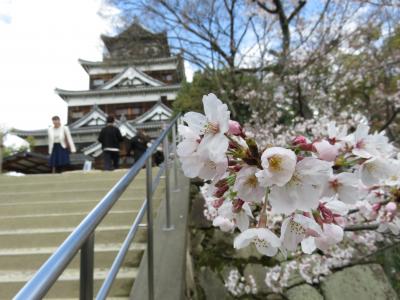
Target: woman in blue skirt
x,y
60,145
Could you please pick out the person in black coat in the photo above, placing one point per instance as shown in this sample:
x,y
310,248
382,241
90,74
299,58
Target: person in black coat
x,y
138,145
110,138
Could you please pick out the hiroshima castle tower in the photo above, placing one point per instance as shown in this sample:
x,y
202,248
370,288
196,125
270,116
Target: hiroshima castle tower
x,y
136,83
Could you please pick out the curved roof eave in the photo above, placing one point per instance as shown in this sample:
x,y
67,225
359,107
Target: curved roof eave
x,y
89,63
144,90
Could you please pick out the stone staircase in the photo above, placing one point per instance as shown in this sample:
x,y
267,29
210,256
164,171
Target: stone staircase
x,y
38,212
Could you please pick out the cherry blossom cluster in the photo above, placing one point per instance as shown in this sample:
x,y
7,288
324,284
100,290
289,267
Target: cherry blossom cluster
x,y
311,184
239,285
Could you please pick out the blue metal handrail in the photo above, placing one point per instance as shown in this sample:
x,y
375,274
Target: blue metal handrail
x,y
112,273
82,238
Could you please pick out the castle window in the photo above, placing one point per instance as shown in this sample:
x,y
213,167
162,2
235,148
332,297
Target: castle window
x,y
97,82
77,114
121,111
136,111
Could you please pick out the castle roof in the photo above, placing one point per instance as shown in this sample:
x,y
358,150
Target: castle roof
x,y
136,42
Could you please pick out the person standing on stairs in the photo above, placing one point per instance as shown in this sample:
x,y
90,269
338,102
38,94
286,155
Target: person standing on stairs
x,y
110,138
138,144
60,146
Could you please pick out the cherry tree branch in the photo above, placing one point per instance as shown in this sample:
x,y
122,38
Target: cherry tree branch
x,y
358,227
391,119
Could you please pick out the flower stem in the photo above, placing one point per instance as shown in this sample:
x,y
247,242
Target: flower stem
x,y
262,222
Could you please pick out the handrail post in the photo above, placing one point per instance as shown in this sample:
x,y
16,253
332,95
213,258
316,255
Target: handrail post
x,y
174,142
150,251
168,225
87,269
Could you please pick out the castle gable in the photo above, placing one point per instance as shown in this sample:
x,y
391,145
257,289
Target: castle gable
x,y
131,77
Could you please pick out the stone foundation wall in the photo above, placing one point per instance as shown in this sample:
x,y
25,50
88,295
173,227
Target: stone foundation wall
x,y
211,258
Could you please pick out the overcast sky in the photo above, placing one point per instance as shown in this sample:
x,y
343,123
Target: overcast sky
x,y
41,41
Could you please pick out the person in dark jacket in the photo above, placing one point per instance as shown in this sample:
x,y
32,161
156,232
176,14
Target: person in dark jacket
x,y
138,145
110,138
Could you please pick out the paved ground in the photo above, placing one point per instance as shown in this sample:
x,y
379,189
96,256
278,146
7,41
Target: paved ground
x,y
169,250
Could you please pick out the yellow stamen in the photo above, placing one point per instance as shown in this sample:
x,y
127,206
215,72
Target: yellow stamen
x,y
275,162
252,181
211,128
296,227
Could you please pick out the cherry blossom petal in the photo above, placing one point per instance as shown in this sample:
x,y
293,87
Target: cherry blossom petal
x,y
247,186
308,245
242,221
278,166
224,224
195,121
326,151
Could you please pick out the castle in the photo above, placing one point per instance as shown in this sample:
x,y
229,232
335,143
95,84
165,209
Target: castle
x,y
136,82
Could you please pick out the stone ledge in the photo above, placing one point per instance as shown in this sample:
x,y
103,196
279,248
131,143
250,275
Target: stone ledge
x,y
304,292
366,282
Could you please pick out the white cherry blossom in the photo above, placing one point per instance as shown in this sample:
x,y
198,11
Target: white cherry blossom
x,y
375,170
188,146
266,242
296,229
240,219
213,126
367,146
336,206
203,167
224,224
361,143
392,226
337,133
247,186
304,189
331,235
345,185
278,166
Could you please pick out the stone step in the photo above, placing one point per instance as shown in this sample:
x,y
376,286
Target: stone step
x,y
66,194
53,237
37,206
33,258
45,220
67,286
22,208
69,176
76,183
70,194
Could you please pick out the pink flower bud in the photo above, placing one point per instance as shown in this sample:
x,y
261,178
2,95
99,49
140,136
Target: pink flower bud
x,y
326,213
391,207
298,140
221,191
234,128
236,168
326,151
217,203
303,143
237,205
376,207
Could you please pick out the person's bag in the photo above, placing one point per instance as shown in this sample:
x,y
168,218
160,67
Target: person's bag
x,y
129,160
87,166
66,141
